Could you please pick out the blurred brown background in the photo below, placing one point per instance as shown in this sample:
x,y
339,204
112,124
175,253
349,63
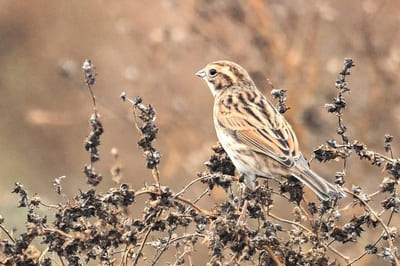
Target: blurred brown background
x,y
153,49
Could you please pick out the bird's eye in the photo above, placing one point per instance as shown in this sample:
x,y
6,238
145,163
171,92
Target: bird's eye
x,y
212,72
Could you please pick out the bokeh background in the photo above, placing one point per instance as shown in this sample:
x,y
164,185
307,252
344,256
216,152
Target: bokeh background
x,y
153,49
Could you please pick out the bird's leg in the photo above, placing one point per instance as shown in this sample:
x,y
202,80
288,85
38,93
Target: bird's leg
x,y
270,177
242,189
230,191
242,218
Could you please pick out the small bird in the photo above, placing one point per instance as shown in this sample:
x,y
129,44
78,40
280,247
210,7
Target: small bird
x,y
256,137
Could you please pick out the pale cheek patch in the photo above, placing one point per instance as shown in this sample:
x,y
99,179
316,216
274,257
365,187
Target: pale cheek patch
x,y
212,87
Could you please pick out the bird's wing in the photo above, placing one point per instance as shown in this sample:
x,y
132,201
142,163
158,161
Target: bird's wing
x,y
259,125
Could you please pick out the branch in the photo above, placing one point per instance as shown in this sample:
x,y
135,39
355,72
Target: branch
x,y
179,198
142,246
389,239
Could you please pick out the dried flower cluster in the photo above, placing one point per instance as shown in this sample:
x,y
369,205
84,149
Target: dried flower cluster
x,y
96,226
93,140
280,94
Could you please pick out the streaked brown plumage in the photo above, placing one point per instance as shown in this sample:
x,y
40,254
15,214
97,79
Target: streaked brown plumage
x,y
257,138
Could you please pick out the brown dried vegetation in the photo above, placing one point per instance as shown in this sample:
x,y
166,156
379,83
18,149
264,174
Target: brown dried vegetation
x,y
98,226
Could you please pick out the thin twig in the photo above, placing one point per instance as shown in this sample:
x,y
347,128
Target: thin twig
x,y
345,258
376,242
272,255
206,191
389,238
186,251
62,262
142,246
289,222
93,99
155,171
7,233
197,199
190,184
152,243
49,206
205,212
179,198
124,259
58,232
374,194
43,253
90,78
165,247
364,253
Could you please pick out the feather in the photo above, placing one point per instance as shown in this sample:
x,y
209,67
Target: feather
x,y
263,129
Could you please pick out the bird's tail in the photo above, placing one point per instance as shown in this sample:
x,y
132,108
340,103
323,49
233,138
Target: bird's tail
x,y
324,189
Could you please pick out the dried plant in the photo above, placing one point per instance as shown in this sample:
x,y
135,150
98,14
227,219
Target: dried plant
x,y
243,228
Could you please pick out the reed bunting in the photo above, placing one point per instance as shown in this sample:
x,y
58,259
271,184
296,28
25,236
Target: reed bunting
x,y
256,137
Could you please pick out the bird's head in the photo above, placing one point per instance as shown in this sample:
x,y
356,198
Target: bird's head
x,y
222,75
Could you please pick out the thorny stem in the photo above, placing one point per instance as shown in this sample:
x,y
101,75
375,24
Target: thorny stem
x,y
342,134
345,258
163,246
364,253
389,238
377,154
170,241
341,85
179,198
388,159
376,242
155,171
